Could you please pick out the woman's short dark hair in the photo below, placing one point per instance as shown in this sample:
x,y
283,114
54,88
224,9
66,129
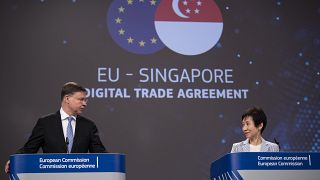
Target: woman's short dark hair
x,y
71,87
257,115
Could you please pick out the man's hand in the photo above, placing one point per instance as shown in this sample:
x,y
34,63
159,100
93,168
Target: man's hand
x,y
7,167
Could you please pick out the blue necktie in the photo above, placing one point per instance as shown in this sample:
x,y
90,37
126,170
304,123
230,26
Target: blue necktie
x,y
69,134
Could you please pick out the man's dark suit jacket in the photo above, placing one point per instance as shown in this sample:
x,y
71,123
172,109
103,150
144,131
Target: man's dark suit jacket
x,y
48,135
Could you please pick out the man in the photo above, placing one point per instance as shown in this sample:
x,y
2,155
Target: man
x,y
65,131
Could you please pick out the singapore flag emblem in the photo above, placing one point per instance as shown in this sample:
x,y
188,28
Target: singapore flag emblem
x,y
189,27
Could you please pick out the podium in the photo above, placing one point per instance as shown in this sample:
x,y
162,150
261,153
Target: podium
x,y
267,166
67,166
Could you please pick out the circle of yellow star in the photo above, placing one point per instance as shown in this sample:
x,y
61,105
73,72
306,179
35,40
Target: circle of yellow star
x,y
142,43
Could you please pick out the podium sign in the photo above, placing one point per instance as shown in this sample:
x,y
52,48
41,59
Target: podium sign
x,y
267,166
67,166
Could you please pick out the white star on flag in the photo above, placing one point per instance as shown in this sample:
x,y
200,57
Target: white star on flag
x,y
121,31
153,40
142,43
185,2
121,9
130,40
118,20
153,2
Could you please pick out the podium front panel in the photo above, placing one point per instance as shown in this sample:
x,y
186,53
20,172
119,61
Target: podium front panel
x,y
267,166
67,166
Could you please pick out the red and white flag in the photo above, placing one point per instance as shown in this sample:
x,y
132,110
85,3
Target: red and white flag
x,y
189,27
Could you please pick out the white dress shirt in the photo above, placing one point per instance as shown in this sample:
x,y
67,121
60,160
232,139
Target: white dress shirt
x,y
255,148
64,121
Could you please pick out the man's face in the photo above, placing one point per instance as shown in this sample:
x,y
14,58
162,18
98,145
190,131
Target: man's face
x,y
76,102
249,129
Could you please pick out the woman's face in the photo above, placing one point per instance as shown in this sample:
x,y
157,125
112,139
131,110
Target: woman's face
x,y
249,129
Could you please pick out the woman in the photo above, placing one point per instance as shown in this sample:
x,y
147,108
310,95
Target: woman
x,y
254,121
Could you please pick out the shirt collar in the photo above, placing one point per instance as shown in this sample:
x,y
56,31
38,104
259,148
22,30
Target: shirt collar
x,y
247,141
64,115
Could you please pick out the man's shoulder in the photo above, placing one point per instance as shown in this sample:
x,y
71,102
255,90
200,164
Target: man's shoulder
x,y
84,120
50,116
48,119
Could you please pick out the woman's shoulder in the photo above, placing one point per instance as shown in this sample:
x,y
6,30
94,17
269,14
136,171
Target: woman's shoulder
x,y
239,143
273,147
239,146
268,143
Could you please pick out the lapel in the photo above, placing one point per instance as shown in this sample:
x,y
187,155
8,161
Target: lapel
x,y
246,146
60,135
264,146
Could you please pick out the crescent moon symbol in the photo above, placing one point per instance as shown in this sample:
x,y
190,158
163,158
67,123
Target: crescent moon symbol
x,y
175,7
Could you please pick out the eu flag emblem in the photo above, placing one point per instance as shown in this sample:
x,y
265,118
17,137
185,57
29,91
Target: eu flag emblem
x,y
131,25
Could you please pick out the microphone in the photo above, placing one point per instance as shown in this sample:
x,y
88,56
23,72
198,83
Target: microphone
x,y
67,144
277,142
